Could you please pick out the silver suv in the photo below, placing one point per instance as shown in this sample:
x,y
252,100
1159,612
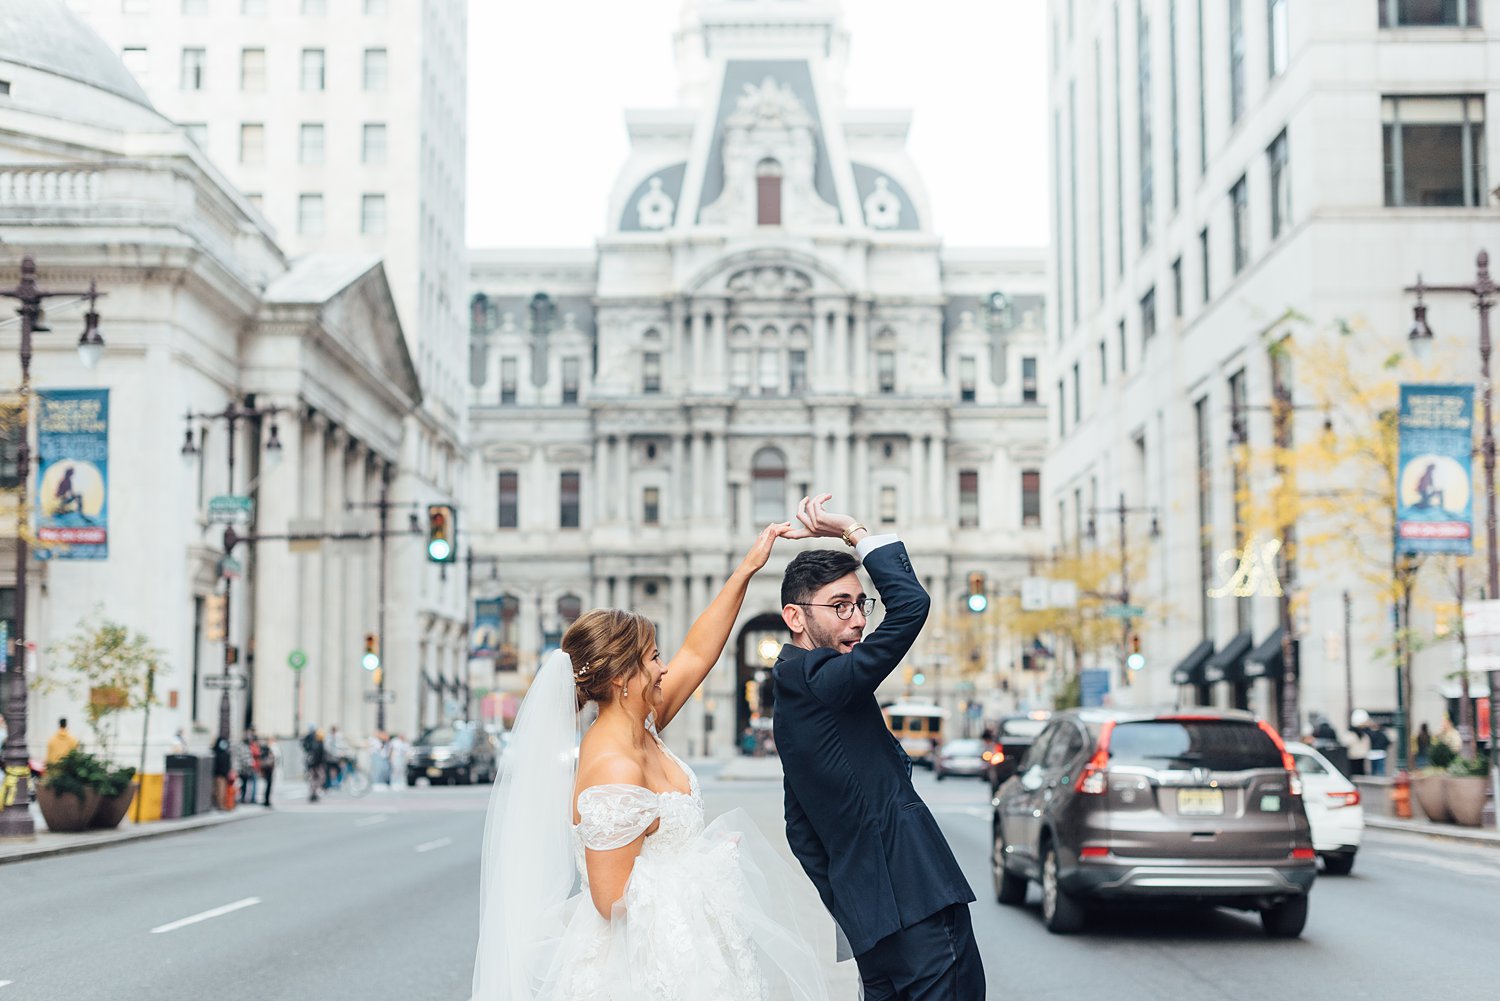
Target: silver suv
x,y
1200,806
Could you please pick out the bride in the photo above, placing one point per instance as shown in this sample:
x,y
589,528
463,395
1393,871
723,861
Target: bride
x,y
600,880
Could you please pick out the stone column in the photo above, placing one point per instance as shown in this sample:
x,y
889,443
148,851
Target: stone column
x,y
359,613
678,348
719,466
840,485
311,566
822,360
693,327
860,499
331,664
600,488
677,505
861,371
696,496
275,625
937,477
918,481
678,619
619,591
619,486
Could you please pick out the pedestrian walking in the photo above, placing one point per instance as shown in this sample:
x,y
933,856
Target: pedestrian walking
x,y
1422,744
267,764
1357,742
380,760
335,755
244,766
1380,745
1448,734
313,755
223,774
399,752
61,742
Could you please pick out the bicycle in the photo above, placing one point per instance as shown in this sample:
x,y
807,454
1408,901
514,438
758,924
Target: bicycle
x,y
348,777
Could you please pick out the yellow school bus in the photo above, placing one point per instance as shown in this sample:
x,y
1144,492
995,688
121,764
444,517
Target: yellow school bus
x,y
918,726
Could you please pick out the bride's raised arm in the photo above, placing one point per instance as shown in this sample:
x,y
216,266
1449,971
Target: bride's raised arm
x,y
706,639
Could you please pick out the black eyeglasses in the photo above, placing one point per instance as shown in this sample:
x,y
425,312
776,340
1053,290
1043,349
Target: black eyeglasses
x,y
845,609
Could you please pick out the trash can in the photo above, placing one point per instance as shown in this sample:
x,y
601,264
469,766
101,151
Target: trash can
x,y
185,767
205,797
173,786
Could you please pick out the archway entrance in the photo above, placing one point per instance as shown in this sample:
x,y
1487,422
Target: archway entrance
x,y
755,652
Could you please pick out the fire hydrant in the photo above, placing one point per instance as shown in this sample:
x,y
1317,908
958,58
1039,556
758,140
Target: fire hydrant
x,y
1401,796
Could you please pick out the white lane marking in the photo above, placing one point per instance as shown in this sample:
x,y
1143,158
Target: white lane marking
x,y
6,983
215,913
428,846
1452,865
379,818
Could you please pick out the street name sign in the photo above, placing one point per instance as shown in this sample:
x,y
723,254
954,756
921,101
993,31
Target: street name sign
x,y
230,509
387,697
1124,611
233,682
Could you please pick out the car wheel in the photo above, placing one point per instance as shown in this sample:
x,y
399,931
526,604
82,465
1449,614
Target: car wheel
x,y
938,774
411,780
462,777
1010,889
1061,912
1339,863
1285,919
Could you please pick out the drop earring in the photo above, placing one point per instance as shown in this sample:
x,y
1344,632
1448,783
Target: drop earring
x,y
625,691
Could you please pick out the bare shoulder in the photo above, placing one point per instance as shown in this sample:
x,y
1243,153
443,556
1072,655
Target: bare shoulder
x,y
601,763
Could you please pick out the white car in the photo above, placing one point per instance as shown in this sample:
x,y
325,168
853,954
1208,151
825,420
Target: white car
x,y
1333,809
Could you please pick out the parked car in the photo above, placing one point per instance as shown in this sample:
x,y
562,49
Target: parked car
x,y
964,756
454,753
1013,738
1333,809
1198,807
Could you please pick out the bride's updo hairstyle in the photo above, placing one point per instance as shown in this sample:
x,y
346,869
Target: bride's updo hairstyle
x,y
607,645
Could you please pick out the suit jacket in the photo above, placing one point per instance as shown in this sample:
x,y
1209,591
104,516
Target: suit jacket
x,y
863,835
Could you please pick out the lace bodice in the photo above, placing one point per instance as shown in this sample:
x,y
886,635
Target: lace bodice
x,y
612,816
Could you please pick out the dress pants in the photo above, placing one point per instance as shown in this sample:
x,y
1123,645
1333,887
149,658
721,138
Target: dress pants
x,y
935,959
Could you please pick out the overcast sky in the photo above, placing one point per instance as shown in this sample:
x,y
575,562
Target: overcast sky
x,y
549,81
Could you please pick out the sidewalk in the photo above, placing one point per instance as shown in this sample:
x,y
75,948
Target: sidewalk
x,y
743,769
1452,832
46,843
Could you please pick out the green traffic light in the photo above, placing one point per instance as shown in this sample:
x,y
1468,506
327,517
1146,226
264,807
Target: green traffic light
x,y
978,603
439,549
919,678
370,661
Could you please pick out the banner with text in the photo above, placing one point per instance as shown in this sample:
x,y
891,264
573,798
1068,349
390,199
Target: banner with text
x,y
1435,480
72,443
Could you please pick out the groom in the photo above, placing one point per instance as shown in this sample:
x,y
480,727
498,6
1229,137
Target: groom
x,y
865,838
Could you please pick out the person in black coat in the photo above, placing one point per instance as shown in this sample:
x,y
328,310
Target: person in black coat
x,y
863,835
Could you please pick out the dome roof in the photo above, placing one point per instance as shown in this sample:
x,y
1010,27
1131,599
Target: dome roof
x,y
46,35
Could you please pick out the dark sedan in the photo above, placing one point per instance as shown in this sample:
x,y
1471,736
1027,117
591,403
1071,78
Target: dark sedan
x,y
959,757
454,753
1013,737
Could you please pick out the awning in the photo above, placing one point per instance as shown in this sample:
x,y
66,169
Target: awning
x,y
1190,670
1225,664
1266,660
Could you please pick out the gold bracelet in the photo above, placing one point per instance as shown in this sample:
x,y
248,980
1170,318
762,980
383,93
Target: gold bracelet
x,y
850,531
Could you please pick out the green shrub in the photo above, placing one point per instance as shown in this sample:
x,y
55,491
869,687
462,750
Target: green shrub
x,y
79,771
1475,767
1441,755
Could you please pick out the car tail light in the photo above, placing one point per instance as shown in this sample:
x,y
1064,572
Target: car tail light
x,y
1091,780
1304,854
1294,780
1094,851
1338,799
985,756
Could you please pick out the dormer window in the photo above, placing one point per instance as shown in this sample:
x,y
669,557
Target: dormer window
x,y
768,193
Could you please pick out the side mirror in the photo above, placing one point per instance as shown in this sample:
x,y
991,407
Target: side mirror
x,y
1031,779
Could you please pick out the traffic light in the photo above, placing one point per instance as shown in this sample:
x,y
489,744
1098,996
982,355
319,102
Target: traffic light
x,y
375,676
442,533
919,679
213,617
1135,660
978,599
371,660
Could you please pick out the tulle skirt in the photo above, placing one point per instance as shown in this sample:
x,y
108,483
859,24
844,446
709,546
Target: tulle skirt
x,y
722,917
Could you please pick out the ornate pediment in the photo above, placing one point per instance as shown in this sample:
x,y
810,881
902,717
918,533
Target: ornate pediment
x,y
770,104
769,282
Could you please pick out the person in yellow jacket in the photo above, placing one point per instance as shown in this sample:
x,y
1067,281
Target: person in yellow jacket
x,y
61,743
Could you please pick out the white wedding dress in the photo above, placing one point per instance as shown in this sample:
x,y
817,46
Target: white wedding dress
x,y
711,911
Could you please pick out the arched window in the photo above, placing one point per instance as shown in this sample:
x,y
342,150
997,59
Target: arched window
x,y
768,193
768,487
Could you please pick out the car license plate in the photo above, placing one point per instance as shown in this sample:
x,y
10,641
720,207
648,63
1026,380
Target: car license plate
x,y
434,773
1200,802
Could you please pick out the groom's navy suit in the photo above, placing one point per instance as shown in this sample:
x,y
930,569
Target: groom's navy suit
x,y
865,838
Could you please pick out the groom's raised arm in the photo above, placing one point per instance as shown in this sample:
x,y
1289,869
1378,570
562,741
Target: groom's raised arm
x,y
860,671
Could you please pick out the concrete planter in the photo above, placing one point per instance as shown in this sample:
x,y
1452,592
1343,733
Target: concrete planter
x,y
65,812
112,809
1464,797
1430,796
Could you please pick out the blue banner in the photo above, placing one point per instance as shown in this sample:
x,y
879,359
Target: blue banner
x,y
1435,476
72,443
1094,686
485,640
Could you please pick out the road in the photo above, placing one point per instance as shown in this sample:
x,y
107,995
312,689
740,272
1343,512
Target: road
x,y
376,899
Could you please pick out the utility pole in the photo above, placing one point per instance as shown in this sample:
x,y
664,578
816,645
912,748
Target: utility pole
x,y
383,508
1282,409
1127,621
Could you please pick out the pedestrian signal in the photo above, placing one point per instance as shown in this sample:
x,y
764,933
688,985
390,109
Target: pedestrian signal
x,y
371,660
213,617
442,525
978,599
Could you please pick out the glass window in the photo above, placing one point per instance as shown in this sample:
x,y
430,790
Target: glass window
x,y
1428,13
1064,746
571,369
312,69
887,505
651,506
372,148
739,368
1148,315
768,487
1281,186
1143,106
796,371
310,145
768,193
510,376
253,70
1172,104
1202,90
968,498
310,215
1236,60
885,365
1103,363
1177,288
570,488
569,608
968,379
1434,151
1278,38
510,499
1120,335
1077,392
1031,497
134,58
194,69
1202,430
1239,215
1028,380
1308,765
252,144
1203,263
372,214
651,372
197,132
769,372
1218,745
256,199
376,69
1062,410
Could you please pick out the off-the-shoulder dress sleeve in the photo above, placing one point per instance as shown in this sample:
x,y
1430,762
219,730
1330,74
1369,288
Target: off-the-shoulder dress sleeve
x,y
612,816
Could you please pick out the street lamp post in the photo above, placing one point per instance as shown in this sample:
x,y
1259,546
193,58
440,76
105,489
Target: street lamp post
x,y
1127,622
15,818
232,415
1483,290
